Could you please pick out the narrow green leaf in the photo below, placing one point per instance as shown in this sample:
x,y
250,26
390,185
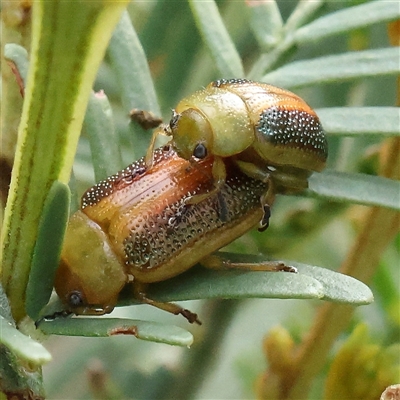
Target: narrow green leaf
x,y
354,121
336,68
347,19
21,345
265,22
46,255
336,287
5,310
356,188
309,283
105,327
19,56
217,39
302,13
201,283
269,59
75,198
98,125
129,61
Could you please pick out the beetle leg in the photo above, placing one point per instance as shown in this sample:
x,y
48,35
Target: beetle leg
x,y
268,198
222,208
161,130
264,223
253,170
169,307
219,175
218,262
149,154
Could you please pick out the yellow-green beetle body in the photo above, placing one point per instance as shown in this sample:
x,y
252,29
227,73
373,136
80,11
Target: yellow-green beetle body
x,y
271,133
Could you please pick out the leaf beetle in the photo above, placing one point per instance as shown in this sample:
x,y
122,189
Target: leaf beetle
x,y
270,133
134,229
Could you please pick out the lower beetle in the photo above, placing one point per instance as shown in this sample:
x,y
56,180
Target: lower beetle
x,y
136,228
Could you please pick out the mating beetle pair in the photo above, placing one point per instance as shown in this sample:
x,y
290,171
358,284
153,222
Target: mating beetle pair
x,y
236,144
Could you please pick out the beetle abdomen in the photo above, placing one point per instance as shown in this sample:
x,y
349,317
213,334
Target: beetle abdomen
x,y
287,130
290,136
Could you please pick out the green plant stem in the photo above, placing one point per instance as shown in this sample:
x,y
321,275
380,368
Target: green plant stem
x,y
62,69
16,28
380,227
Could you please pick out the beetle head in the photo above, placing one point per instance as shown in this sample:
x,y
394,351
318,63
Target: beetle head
x,y
191,134
90,276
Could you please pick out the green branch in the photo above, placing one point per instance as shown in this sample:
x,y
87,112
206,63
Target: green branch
x,y
63,66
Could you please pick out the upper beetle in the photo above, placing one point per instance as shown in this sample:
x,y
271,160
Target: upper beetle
x,y
270,133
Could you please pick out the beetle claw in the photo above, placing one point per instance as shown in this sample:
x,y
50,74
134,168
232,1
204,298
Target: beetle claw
x,y
190,316
286,268
264,223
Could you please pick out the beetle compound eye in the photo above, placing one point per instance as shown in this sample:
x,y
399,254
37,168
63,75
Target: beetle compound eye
x,y
75,299
200,151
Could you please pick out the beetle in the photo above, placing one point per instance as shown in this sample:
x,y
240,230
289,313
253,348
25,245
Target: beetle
x,y
270,133
135,228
